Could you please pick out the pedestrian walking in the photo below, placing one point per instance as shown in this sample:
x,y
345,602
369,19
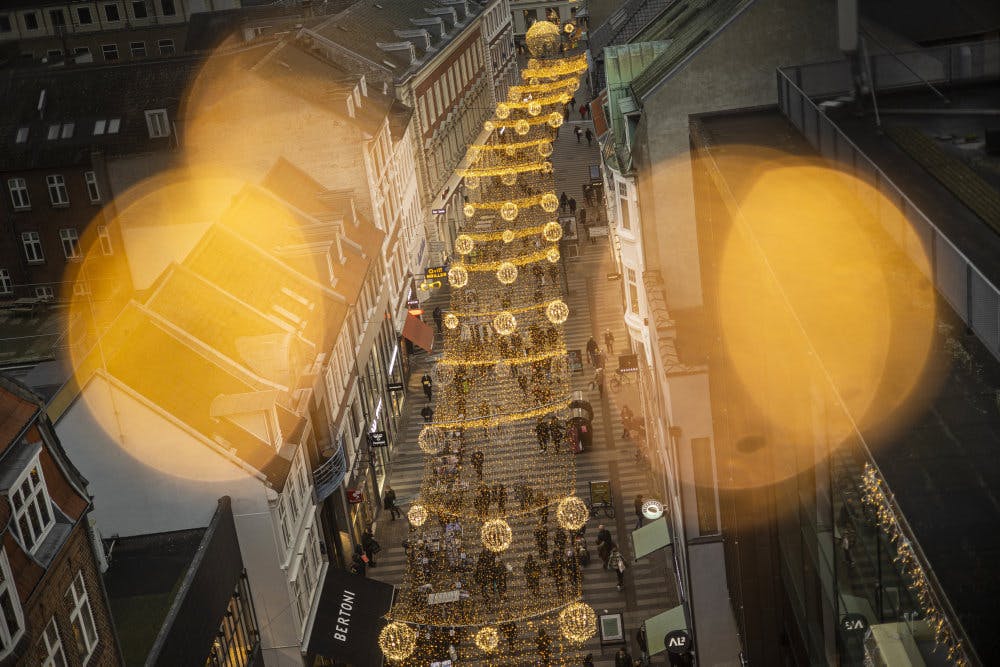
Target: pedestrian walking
x,y
626,416
622,658
371,546
846,542
643,641
532,573
590,136
427,413
588,660
638,510
359,561
389,503
426,383
572,101
578,132
582,218
477,463
592,351
617,563
563,202
609,340
604,543
436,313
566,113
583,112
572,205
598,382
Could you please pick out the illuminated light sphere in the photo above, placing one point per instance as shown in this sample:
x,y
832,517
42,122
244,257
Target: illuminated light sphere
x,y
578,622
489,126
451,321
534,108
458,276
503,111
444,374
552,231
506,273
509,210
469,210
505,323
417,515
510,151
572,513
542,38
430,440
652,509
522,126
507,236
546,167
496,536
397,641
552,254
569,28
557,312
502,369
509,177
472,182
545,149
488,639
550,202
464,244
555,119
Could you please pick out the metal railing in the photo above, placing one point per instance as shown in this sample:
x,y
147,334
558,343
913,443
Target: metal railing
x,y
973,297
329,475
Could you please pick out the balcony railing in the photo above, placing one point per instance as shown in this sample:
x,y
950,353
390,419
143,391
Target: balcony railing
x,y
328,476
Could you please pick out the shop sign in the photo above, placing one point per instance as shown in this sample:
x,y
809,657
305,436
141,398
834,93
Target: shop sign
x,y
853,624
438,211
432,273
628,363
355,496
677,642
395,386
377,439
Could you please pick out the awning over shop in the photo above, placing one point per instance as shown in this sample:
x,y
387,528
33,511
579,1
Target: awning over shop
x,y
658,626
654,535
349,618
419,333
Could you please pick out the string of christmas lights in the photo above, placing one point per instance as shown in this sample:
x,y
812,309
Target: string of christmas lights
x,y
492,575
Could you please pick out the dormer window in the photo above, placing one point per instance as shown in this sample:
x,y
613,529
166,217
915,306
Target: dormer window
x,y
22,135
157,124
350,107
32,508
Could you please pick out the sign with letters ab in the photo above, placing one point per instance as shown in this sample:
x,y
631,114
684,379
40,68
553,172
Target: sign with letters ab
x,y
677,642
377,439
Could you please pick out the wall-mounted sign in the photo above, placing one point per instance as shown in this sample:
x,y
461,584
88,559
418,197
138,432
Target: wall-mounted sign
x,y
355,496
854,624
652,509
677,642
628,363
395,386
432,273
438,211
575,360
377,439
614,276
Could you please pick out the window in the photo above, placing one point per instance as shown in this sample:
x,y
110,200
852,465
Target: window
x,y
11,620
104,236
5,25
70,243
113,125
22,135
81,618
54,655
92,188
32,247
57,18
45,292
110,52
138,49
633,292
166,47
53,132
19,193
623,206
67,130
99,127
84,16
6,283
53,53
31,21
32,509
82,54
139,9
156,122
111,13
168,7
57,190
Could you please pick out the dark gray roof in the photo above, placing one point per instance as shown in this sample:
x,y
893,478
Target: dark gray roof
x,y
925,21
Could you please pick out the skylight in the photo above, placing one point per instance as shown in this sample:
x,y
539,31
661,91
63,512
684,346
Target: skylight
x,y
113,125
53,132
22,135
99,127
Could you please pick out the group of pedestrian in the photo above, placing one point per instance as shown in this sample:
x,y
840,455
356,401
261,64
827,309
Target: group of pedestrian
x,y
550,430
364,553
487,495
583,133
567,202
610,555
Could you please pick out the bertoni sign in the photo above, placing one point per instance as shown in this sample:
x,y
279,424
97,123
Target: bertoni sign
x,y
349,618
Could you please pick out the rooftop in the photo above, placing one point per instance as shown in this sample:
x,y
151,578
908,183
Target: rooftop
x,y
942,464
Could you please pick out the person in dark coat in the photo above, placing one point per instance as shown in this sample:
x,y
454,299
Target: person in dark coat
x,y
563,202
590,136
358,561
370,546
389,502
639,500
427,413
426,383
532,573
572,205
592,351
588,660
609,341
604,542
643,642
437,313
622,658
578,132
583,111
